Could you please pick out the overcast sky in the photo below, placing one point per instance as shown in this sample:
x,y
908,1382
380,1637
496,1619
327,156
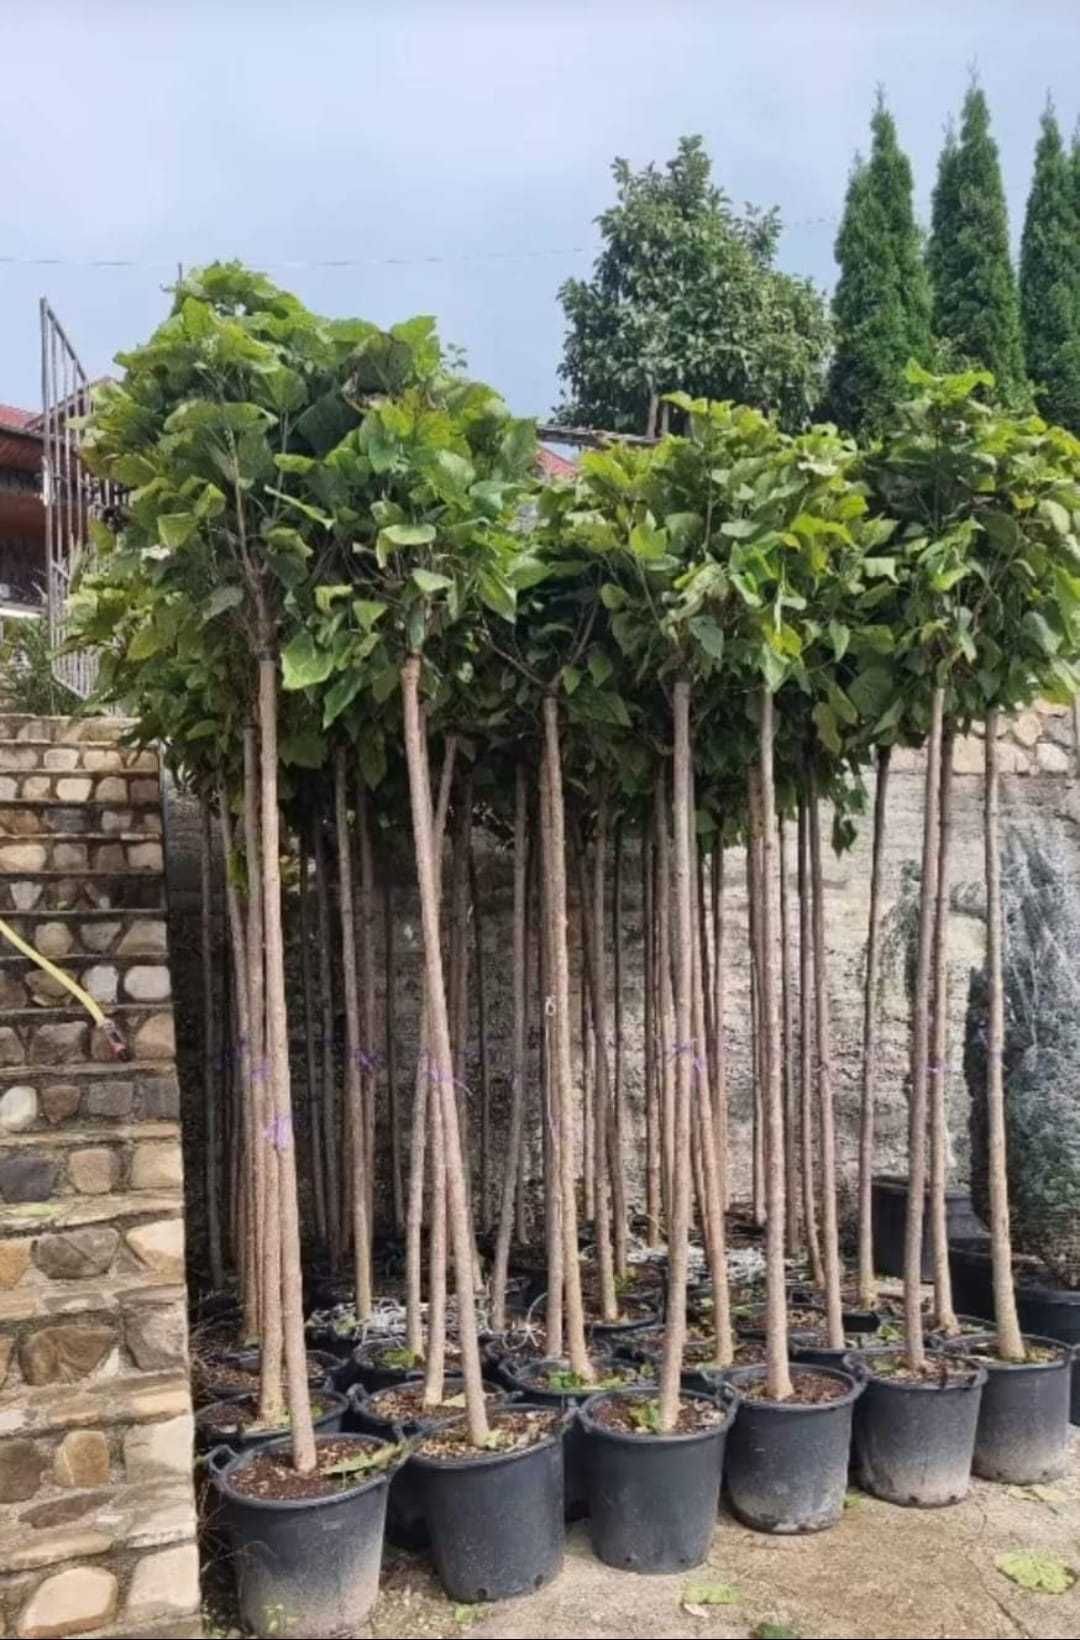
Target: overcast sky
x,y
456,151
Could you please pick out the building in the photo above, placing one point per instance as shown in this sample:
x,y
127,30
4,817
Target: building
x,y
22,513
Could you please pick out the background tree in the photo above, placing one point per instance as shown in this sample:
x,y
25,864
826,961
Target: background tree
x,y
881,305
976,310
684,295
1050,279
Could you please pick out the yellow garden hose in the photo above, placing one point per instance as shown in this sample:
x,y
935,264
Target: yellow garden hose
x,y
83,998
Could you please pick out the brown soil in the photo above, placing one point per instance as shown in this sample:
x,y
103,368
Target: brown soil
x,y
273,1476
626,1415
243,1415
512,1431
1034,1355
799,1320
939,1371
809,1389
404,1403
212,1379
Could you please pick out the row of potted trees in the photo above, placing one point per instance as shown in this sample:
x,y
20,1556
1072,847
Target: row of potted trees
x,y
334,563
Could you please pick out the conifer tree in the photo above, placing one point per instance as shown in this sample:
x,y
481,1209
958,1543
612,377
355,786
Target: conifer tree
x,y
1050,279
976,309
881,306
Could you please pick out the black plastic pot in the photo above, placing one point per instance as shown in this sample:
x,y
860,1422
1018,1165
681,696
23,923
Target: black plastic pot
x,y
369,1371
496,1519
500,1348
209,1431
753,1326
305,1566
888,1210
914,1442
1043,1311
406,1515
646,1352
1023,1430
653,1498
787,1463
973,1326
611,1333
519,1377
321,1369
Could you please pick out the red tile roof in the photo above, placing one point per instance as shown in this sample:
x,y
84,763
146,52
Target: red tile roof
x,y
551,466
12,416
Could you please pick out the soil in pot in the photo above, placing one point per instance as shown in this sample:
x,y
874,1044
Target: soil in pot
x,y
787,1461
803,1323
915,1431
1023,1430
307,1548
235,1422
551,1383
377,1364
496,1516
653,1496
218,1377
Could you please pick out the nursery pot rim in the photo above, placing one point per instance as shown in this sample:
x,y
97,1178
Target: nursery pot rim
x,y
336,1395
911,1385
221,1470
1067,1354
361,1399
735,1375
477,1459
725,1396
902,1181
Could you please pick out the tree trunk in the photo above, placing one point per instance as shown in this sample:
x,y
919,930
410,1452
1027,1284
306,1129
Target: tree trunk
x,y
211,1088
920,1043
944,1314
652,1122
390,1050
549,1094
830,1235
705,1139
719,975
778,1378
555,869
435,1352
245,1135
686,1050
517,1085
481,1045
806,1056
666,998
443,1090
354,1092
593,917
277,1044
368,1017
329,1102
787,997
588,1086
866,1279
760,1068
318,1180
1010,1343
617,1125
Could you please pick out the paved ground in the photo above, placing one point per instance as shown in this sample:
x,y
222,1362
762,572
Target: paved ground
x,y
897,1574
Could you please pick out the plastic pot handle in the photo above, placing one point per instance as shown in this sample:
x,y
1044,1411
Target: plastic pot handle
x,y
856,1367
218,1459
356,1395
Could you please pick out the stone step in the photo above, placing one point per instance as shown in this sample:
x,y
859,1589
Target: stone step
x,y
30,817
64,933
64,731
37,1099
119,979
82,891
120,790
62,1036
50,851
92,756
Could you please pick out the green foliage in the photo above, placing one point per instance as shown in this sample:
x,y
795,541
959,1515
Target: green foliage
x,y
709,1594
26,670
976,311
1050,280
1042,1056
1037,1570
881,305
685,295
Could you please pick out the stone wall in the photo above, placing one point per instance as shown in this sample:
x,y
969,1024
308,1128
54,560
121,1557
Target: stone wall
x,y
97,1523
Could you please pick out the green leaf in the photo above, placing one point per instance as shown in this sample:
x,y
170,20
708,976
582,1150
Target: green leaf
x,y
430,582
775,1631
571,677
408,535
368,611
710,1594
305,507
221,599
342,693
496,595
825,719
176,528
303,664
840,637
1037,628
600,667
871,691
327,596
1037,1570
1057,515
612,597
709,635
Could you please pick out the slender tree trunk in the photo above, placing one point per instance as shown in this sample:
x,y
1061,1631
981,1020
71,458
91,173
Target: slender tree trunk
x,y
318,1181
944,1314
1010,1342
866,1278
435,1354
555,870
617,1125
518,1068
806,1054
778,1378
390,1049
368,1014
593,918
549,1093
760,1068
354,1091
678,1233
481,1044
420,795
787,998
588,1089
720,1101
920,1043
328,1102
668,1031
830,1236
652,1124
245,1138
277,1031
712,1195
211,1090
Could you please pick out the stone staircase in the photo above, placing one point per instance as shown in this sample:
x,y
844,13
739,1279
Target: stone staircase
x,y
97,1516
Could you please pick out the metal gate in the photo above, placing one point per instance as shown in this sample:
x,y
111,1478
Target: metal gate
x,y
71,494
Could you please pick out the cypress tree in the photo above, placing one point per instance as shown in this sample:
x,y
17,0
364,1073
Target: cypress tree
x,y
881,306
1050,279
976,310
